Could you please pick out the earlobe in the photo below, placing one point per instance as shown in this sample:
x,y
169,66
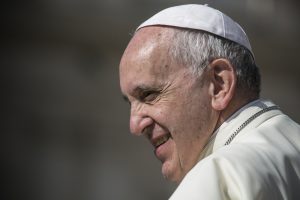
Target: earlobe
x,y
223,83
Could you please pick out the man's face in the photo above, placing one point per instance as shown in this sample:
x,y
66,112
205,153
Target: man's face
x,y
169,105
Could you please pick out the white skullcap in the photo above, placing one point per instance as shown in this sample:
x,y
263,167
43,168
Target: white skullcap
x,y
200,17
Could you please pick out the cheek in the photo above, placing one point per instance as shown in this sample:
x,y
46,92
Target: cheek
x,y
171,168
190,128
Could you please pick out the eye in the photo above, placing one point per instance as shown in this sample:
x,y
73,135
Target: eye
x,y
149,95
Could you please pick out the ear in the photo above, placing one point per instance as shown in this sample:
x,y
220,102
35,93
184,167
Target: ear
x,y
222,83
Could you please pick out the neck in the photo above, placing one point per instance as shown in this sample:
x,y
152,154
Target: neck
x,y
232,107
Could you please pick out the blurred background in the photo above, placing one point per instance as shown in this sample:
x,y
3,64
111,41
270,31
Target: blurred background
x,y
65,132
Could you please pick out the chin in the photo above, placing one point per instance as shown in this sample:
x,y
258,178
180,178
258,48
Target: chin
x,y
171,172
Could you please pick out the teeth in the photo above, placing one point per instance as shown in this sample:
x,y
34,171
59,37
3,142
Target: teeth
x,y
161,140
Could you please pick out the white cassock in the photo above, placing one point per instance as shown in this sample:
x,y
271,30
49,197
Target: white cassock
x,y
254,155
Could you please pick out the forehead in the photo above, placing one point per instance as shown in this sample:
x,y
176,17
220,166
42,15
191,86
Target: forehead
x,y
146,57
149,36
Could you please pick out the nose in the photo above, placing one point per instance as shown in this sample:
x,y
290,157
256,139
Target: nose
x,y
139,121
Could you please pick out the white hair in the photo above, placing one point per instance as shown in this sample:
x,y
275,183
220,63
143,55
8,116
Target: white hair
x,y
197,49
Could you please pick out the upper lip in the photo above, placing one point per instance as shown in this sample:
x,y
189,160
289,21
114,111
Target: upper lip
x,y
159,140
156,136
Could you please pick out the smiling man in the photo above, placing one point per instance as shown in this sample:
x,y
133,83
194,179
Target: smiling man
x,y
190,77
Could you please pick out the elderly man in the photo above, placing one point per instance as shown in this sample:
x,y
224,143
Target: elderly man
x,y
190,77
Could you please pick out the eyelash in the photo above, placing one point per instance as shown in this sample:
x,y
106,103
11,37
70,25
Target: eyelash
x,y
149,95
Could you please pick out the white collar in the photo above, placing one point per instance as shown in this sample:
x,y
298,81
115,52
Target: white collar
x,y
235,120
222,134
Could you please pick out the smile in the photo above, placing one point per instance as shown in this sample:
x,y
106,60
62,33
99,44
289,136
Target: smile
x,y
161,140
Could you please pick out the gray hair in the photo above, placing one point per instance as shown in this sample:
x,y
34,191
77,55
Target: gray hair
x,y
197,49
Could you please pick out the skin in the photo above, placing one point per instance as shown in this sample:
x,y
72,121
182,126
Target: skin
x,y
167,100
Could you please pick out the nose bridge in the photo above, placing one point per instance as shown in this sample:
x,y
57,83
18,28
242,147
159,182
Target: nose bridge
x,y
139,119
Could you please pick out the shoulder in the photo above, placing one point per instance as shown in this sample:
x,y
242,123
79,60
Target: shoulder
x,y
239,171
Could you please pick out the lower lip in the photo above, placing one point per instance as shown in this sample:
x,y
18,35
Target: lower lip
x,y
159,151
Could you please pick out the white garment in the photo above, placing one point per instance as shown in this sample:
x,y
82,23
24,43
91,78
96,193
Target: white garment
x,y
261,162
